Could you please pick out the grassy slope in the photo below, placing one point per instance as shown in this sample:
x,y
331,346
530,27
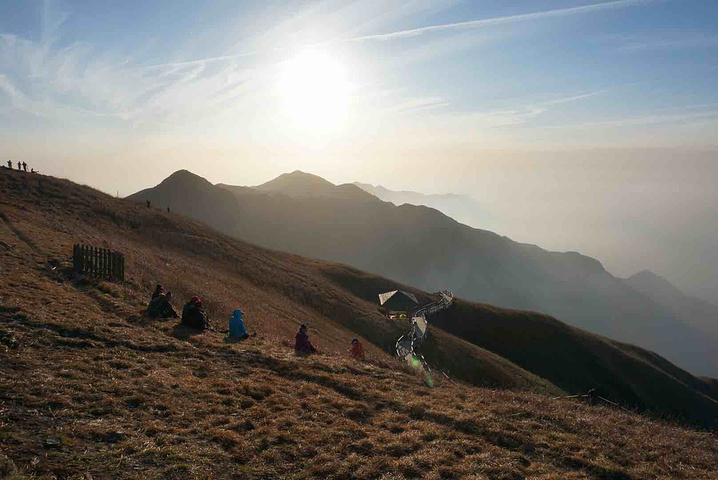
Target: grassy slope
x,y
277,291
574,359
570,358
126,397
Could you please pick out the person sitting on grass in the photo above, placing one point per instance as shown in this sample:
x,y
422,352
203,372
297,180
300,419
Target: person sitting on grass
x,y
161,307
302,345
357,350
159,290
194,315
236,326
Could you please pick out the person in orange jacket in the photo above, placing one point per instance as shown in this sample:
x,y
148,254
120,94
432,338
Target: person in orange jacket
x,y
357,350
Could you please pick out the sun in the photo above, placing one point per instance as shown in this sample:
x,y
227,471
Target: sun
x,y
314,91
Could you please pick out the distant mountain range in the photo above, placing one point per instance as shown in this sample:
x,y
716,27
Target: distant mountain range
x,y
307,215
461,208
693,311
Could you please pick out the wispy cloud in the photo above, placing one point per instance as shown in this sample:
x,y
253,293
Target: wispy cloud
x,y
75,83
562,12
418,104
687,40
520,114
572,98
649,119
200,61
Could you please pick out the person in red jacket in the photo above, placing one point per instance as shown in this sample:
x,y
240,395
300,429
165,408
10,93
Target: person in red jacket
x,y
302,345
357,350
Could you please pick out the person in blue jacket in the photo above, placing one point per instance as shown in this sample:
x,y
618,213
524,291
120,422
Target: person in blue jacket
x,y
236,326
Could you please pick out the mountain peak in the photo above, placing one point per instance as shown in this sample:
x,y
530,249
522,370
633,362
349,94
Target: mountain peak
x,y
185,177
295,181
648,274
653,284
302,184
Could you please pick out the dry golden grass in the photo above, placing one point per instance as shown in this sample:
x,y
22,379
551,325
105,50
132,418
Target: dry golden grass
x,y
88,386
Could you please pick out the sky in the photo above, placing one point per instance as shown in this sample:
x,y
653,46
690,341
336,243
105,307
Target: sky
x,y
579,124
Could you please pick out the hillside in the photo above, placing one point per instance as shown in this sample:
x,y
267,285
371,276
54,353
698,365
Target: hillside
x,y
89,386
420,246
278,291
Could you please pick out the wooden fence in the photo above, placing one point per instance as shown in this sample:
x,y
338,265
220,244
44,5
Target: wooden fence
x,y
99,262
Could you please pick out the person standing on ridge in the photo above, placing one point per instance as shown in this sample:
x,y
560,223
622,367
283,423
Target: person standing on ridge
x,y
19,166
9,164
24,166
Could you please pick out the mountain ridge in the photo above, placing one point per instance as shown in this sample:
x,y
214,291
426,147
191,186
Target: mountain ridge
x,y
301,184
463,208
423,247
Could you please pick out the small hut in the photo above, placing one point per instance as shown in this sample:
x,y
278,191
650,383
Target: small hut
x,y
398,301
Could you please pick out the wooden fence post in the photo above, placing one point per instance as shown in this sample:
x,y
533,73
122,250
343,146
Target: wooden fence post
x,y
98,262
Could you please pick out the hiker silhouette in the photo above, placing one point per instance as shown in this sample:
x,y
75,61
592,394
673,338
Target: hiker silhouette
x,y
24,166
148,203
302,345
19,166
357,350
159,290
9,164
194,315
161,307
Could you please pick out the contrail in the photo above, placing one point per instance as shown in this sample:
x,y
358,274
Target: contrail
x,y
563,12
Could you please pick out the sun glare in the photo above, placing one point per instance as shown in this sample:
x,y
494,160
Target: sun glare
x,y
315,91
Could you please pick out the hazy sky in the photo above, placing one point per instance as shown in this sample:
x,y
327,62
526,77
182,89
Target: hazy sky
x,y
573,120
